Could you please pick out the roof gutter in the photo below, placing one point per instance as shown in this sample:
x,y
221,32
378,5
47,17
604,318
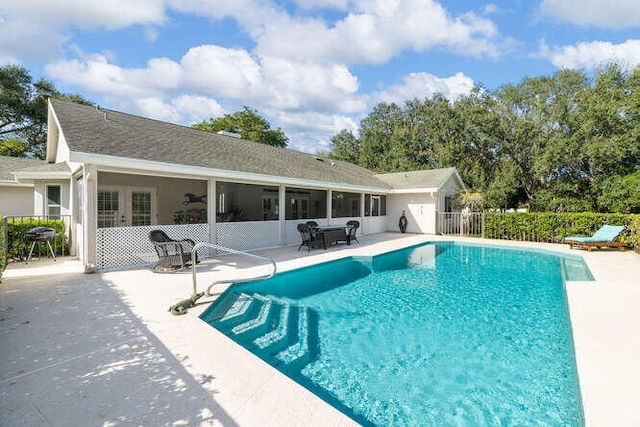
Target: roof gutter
x,y
153,167
431,190
20,176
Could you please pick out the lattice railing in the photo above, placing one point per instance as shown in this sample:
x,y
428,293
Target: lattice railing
x,y
129,247
249,235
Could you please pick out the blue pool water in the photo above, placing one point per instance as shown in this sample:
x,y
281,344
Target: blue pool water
x,y
440,334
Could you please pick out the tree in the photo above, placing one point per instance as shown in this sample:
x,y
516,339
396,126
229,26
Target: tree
x,y
345,146
23,111
249,124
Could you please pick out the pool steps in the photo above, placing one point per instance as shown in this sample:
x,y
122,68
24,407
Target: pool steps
x,y
269,327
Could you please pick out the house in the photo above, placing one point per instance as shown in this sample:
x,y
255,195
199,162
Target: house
x,y
30,186
126,175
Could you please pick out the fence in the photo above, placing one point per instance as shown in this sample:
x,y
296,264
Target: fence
x,y
17,246
469,224
535,226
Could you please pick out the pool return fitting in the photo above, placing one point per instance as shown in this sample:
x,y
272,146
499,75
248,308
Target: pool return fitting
x,y
182,306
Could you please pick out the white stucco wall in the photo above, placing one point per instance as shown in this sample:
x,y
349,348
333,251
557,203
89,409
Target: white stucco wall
x,y
16,200
39,193
420,210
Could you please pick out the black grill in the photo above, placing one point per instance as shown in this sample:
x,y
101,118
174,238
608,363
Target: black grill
x,y
40,234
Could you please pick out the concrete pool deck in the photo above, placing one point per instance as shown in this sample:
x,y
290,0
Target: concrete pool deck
x,y
102,349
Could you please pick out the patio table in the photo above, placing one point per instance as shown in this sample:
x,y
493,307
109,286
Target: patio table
x,y
334,234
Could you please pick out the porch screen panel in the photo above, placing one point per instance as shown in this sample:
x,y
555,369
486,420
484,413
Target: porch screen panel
x,y
140,208
108,208
246,202
344,205
303,203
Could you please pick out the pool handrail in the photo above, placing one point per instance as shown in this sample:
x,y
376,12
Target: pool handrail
x,y
232,251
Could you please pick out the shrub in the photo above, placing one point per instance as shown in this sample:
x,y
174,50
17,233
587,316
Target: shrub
x,y
554,227
17,244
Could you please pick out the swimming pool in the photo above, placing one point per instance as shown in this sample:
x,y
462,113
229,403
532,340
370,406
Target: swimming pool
x,y
441,333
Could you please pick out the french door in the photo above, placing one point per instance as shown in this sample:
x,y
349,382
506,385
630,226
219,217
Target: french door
x,y
126,206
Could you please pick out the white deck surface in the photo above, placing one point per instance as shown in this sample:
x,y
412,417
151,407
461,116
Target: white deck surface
x,y
102,349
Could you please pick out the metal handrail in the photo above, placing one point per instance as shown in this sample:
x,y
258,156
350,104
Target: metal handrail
x,y
232,251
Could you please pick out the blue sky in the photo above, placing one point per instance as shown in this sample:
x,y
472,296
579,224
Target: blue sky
x,y
311,67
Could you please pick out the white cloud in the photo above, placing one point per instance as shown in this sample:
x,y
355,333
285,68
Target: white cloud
x,y
150,34
599,13
38,27
422,85
592,54
97,75
304,85
311,131
186,109
323,4
218,72
379,30
221,72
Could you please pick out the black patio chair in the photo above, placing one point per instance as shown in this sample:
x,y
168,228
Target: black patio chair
x,y
310,237
351,232
312,224
173,255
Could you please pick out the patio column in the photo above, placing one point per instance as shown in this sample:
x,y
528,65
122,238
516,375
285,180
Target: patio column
x,y
90,217
329,197
282,193
211,209
363,229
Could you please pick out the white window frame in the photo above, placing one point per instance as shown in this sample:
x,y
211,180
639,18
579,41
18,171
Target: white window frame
x,y
47,205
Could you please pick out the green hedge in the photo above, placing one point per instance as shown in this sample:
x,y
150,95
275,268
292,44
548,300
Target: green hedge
x,y
3,255
18,246
554,227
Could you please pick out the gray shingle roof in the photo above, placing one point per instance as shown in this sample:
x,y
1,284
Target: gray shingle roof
x,y
432,178
123,135
8,165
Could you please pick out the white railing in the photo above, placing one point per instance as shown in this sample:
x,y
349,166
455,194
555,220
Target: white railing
x,y
461,223
219,249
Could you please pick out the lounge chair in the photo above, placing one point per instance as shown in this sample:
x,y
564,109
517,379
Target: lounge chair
x,y
606,236
310,237
173,255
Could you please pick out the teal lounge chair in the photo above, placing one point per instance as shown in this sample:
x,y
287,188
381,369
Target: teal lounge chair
x,y
606,236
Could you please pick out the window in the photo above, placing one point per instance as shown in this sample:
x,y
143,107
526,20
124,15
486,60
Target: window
x,y
108,208
53,194
305,204
345,205
246,202
140,208
375,205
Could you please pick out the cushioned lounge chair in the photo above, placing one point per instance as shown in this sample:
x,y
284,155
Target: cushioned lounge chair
x,y
606,236
173,255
